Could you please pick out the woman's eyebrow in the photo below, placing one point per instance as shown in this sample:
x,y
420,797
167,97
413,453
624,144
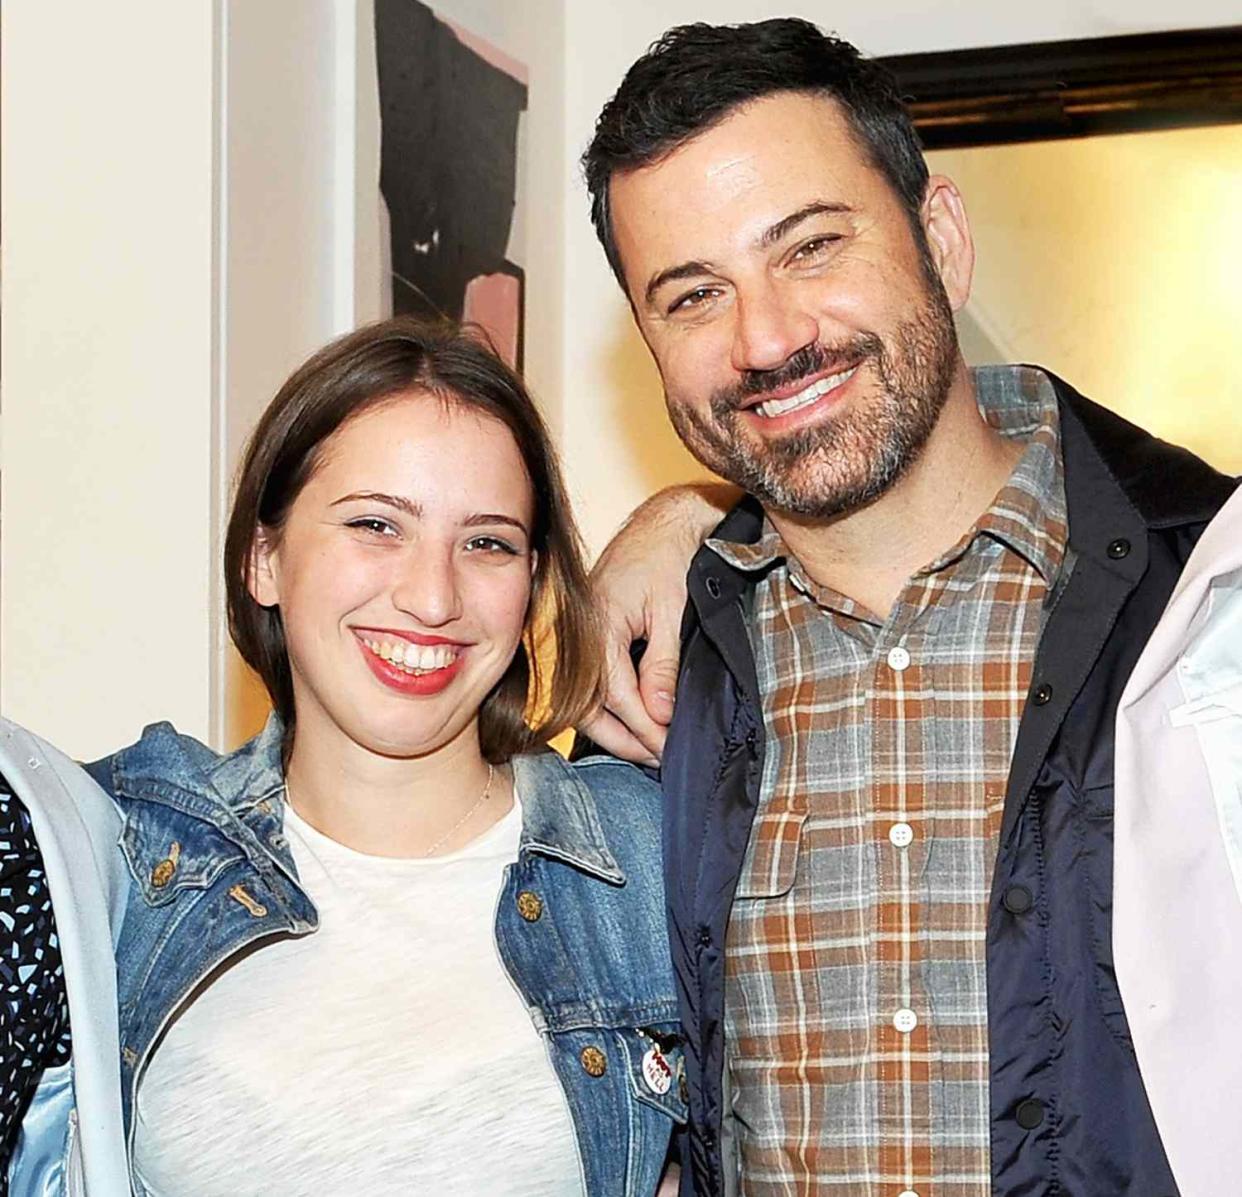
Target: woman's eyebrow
x,y
374,496
493,517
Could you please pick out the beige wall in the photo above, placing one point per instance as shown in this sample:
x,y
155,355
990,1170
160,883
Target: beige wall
x,y
108,351
616,439
1114,261
170,208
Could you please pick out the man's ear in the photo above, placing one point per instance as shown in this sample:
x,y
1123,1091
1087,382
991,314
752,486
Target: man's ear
x,y
262,568
949,241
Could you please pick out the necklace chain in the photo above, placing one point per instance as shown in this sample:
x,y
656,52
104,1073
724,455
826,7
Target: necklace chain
x,y
482,798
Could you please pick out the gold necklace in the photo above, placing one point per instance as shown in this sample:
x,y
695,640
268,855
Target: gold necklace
x,y
482,798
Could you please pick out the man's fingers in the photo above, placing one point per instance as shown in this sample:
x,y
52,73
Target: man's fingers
x,y
612,736
624,702
657,671
657,683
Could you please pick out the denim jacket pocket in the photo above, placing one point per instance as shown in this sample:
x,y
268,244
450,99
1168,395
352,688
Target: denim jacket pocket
x,y
656,1068
168,852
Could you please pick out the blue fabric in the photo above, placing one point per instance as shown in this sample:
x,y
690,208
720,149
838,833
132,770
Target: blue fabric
x,y
71,1139
1057,1029
593,968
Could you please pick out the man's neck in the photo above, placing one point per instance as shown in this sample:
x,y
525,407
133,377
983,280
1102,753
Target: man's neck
x,y
870,553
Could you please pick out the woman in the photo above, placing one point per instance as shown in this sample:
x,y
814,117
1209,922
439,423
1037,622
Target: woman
x,y
393,945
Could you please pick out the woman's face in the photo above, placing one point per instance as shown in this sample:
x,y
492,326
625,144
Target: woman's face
x,y
403,575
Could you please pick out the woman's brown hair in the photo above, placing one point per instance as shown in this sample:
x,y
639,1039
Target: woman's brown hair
x,y
352,375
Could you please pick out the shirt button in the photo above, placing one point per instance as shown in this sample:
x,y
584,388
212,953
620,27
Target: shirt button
x,y
905,1020
901,835
594,1062
529,906
907,1193
898,658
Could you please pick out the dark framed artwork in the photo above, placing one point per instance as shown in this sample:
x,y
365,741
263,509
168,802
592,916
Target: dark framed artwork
x,y
1043,90
450,108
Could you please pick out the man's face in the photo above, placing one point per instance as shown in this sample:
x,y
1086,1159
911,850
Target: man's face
x,y
801,329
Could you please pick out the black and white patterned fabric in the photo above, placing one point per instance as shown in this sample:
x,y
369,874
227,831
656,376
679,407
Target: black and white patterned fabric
x,y
34,1012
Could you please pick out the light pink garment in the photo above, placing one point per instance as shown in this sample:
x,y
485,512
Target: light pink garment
x,y
1177,922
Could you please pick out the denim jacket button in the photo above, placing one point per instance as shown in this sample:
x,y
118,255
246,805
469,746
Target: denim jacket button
x,y
163,872
530,906
594,1062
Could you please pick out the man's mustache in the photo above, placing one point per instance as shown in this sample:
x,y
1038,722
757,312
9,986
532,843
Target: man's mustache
x,y
805,363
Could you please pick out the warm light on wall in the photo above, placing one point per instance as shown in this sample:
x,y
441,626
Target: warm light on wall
x,y
1114,261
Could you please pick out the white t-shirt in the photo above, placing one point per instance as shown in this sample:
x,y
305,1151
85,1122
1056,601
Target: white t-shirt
x,y
387,1052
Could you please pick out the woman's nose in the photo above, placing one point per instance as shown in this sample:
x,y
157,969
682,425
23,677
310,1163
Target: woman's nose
x,y
427,589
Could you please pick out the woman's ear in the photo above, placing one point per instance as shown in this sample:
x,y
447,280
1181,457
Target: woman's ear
x,y
263,568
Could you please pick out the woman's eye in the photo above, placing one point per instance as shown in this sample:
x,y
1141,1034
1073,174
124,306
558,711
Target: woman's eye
x,y
372,523
491,544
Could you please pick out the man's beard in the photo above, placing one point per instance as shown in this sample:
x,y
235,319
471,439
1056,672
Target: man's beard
x,y
853,456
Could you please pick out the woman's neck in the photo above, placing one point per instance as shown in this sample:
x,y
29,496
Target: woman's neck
x,y
393,806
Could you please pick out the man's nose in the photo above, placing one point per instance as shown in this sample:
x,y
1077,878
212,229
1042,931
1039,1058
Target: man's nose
x,y
427,588
770,327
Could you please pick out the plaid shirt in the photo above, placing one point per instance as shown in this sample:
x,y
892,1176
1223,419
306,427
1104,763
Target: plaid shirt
x,y
856,1001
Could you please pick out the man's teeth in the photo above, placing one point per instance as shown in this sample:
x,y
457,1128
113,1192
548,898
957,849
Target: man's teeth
x,y
414,658
770,408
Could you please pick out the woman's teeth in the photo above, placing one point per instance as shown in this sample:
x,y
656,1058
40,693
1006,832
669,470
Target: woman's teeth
x,y
771,408
414,658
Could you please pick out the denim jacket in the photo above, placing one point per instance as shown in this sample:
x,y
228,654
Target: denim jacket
x,y
212,873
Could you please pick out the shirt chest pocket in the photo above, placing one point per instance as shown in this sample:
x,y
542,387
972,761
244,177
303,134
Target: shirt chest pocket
x,y
169,852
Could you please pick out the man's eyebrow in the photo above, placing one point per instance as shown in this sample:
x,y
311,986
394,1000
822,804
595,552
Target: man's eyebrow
x,y
783,227
374,496
673,273
770,236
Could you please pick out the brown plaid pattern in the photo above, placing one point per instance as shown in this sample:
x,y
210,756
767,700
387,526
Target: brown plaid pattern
x,y
856,1004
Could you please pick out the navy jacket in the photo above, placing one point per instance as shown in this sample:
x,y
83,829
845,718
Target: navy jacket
x,y
1069,1114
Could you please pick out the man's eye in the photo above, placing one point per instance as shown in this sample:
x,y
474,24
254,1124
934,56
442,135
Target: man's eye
x,y
491,544
816,247
692,299
372,523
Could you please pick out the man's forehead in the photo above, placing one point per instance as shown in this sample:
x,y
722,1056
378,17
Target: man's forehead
x,y
732,181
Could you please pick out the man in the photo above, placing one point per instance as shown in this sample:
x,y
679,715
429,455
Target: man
x,y
889,766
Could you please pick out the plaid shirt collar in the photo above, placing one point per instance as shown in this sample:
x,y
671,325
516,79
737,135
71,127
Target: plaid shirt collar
x,y
1027,515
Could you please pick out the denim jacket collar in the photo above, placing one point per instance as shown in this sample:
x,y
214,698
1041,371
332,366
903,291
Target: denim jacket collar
x,y
559,818
179,771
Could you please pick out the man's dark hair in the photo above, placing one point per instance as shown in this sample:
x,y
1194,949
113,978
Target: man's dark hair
x,y
696,75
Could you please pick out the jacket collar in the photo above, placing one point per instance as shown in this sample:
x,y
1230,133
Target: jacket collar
x,y
559,818
1167,486
167,766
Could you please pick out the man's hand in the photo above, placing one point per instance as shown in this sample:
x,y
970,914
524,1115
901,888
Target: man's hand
x,y
640,588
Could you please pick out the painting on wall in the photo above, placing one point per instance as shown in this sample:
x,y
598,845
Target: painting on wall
x,y
450,107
